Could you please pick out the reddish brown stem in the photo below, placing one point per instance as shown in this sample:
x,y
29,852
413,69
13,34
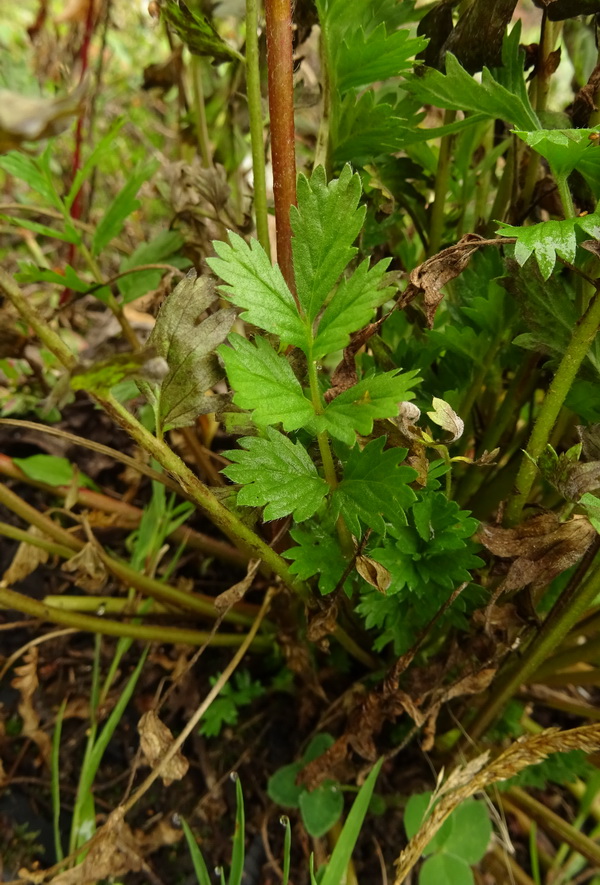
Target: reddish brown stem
x,y
278,14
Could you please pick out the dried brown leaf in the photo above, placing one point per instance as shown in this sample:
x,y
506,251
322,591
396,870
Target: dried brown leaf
x,y
373,573
27,558
430,277
155,740
542,548
322,623
113,852
28,118
88,568
26,683
228,598
444,415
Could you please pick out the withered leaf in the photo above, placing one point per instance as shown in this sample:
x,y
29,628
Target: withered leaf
x,y
373,573
155,740
541,548
26,559
322,623
28,118
590,441
187,343
430,277
90,572
197,31
26,683
228,598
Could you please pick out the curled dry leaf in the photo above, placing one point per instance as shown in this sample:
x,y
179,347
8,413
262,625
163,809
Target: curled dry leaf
x,y
113,852
26,559
155,740
322,623
25,118
373,573
26,683
88,568
228,598
430,277
540,548
590,441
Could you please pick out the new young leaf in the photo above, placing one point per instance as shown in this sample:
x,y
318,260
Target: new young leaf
x,y
375,483
325,224
563,148
258,287
187,344
277,473
317,553
264,382
550,239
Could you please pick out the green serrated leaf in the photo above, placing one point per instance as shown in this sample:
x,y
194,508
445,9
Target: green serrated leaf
x,y
325,224
564,149
367,127
375,483
258,287
351,307
364,59
102,148
278,475
354,410
101,376
458,90
550,239
197,32
264,382
188,345
66,236
317,553
121,207
28,169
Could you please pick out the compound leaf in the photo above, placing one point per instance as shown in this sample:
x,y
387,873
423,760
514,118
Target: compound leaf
x,y
277,473
264,382
258,287
187,343
317,553
363,59
351,307
374,484
354,410
325,224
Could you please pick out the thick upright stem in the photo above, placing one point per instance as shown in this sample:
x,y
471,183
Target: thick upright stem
x,y
442,179
574,355
281,109
256,124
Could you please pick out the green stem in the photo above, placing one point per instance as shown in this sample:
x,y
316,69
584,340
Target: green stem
x,y
280,66
256,125
200,112
574,355
562,182
442,179
18,602
561,619
323,149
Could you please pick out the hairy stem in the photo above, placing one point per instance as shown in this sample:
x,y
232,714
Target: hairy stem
x,y
574,355
256,125
281,110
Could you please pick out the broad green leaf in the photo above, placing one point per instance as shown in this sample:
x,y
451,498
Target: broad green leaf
x,y
237,854
278,474
363,59
28,169
52,470
375,483
162,248
471,832
69,235
550,239
264,382
354,411
197,32
325,224
317,553
415,816
564,149
344,846
321,808
282,787
366,127
121,207
445,869
351,307
188,345
258,287
458,90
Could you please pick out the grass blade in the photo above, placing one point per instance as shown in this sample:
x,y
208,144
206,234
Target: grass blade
x,y
200,869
